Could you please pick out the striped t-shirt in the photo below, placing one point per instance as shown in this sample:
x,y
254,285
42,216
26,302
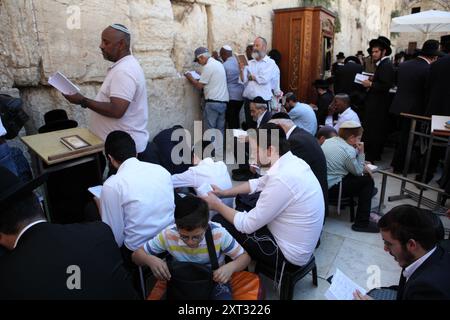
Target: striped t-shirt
x,y
169,241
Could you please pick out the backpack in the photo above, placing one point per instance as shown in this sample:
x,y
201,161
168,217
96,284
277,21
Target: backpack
x,y
12,115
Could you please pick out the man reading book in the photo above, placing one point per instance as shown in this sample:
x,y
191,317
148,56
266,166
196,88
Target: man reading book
x,y
121,103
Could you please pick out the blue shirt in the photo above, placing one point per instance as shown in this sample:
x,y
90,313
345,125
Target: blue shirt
x,y
304,117
235,89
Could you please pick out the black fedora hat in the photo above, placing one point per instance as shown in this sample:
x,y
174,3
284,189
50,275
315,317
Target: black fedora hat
x,y
360,53
320,83
431,48
382,42
352,58
13,189
56,120
445,39
340,55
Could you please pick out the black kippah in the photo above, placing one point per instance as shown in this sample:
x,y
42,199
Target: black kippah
x,y
186,206
259,100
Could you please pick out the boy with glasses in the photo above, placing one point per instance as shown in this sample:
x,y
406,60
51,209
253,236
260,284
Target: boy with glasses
x,y
185,242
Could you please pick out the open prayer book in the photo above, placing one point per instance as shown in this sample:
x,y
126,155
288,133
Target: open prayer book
x,y
238,133
96,191
194,75
361,77
242,58
62,84
342,287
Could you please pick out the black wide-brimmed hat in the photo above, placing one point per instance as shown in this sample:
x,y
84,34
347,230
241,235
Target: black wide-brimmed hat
x,y
352,58
13,189
431,48
382,42
360,53
320,83
445,39
340,55
56,120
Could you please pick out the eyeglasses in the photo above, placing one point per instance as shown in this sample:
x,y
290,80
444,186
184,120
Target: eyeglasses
x,y
197,238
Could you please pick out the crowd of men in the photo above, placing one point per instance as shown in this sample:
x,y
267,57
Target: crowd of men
x,y
303,159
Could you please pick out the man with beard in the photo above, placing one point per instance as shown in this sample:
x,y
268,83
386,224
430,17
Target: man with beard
x,y
378,99
257,78
410,236
121,103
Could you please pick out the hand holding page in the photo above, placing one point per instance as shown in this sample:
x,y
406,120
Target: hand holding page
x,y
96,191
342,288
64,85
204,190
360,78
238,133
194,75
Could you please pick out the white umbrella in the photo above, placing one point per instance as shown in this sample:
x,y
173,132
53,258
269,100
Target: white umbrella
x,y
425,22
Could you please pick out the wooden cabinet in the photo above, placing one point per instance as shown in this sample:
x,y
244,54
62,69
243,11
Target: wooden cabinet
x,y
304,37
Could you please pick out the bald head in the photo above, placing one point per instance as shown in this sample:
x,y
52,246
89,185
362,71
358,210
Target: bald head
x,y
115,44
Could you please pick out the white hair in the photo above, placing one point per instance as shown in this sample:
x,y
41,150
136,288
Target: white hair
x,y
283,122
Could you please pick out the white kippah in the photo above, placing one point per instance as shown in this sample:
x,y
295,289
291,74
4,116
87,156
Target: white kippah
x,y
120,27
227,48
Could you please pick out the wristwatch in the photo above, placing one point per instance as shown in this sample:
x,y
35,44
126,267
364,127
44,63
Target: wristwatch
x,y
83,103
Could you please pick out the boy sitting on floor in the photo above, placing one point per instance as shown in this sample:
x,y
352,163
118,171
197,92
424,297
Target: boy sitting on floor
x,y
185,242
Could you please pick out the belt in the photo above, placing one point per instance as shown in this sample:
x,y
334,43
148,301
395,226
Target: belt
x,y
2,141
215,101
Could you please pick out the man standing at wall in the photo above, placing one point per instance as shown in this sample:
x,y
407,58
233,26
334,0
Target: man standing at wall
x,y
235,89
213,82
122,102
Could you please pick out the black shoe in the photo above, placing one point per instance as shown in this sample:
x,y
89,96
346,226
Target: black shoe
x,y
370,228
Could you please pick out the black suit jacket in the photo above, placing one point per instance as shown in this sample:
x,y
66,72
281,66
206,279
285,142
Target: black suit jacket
x,y
306,147
267,117
37,268
431,281
345,79
411,91
438,88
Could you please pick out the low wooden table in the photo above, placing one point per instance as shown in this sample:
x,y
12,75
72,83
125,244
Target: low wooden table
x,y
51,155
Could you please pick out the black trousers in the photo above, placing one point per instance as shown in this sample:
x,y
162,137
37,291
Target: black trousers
x,y
361,187
398,162
261,245
232,115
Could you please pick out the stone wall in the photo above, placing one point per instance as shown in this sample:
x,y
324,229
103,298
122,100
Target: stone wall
x,y
40,37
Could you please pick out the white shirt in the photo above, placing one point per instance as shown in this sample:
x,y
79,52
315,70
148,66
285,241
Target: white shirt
x,y
26,229
347,115
137,203
125,80
384,58
288,134
258,122
206,172
2,129
215,80
264,73
409,270
291,205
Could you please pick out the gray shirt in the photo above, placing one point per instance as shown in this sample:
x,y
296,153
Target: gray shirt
x,y
235,89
